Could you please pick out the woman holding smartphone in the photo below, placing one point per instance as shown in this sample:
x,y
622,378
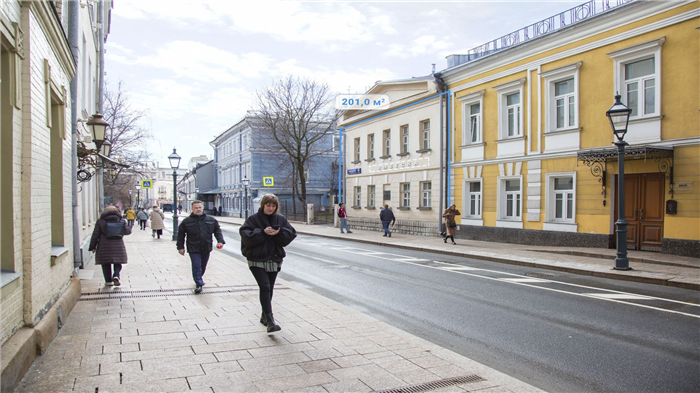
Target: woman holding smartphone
x,y
263,238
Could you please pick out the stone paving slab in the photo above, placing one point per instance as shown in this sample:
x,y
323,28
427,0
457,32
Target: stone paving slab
x,y
176,341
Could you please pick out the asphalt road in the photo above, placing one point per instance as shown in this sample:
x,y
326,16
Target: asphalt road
x,y
557,331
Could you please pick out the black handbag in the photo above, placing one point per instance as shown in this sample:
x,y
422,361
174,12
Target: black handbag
x,y
452,225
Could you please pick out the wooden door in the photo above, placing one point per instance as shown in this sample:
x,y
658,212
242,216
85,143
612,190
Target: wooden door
x,y
644,201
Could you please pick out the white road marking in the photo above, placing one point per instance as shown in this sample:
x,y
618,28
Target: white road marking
x,y
620,296
524,280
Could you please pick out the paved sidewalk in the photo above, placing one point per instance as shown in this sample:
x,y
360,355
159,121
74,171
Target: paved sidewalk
x,y
649,267
152,334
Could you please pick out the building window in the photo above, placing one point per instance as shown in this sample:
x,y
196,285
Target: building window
x,y
638,77
358,196
336,143
510,111
510,204
513,115
405,194
387,143
560,198
404,139
357,150
370,196
640,89
473,199
561,97
370,146
474,130
426,194
425,135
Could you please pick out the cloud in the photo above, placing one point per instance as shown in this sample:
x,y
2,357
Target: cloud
x,y
424,45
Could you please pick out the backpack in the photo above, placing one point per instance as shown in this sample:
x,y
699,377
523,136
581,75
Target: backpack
x,y
339,214
115,230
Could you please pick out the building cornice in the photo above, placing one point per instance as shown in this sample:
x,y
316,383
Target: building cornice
x,y
53,30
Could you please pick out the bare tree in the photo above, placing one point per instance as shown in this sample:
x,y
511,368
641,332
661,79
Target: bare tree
x,y
296,115
128,138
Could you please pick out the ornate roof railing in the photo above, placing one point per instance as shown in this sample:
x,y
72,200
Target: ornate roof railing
x,y
564,19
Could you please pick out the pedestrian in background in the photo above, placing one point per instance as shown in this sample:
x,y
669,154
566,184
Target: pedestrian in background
x,y
130,217
343,215
157,224
450,223
108,244
196,231
387,217
263,238
142,217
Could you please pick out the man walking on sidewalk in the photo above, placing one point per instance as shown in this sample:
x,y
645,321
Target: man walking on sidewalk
x,y
198,228
342,214
387,216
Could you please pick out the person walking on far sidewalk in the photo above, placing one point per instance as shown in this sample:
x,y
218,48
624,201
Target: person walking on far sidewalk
x,y
108,244
130,217
263,238
197,229
157,224
142,217
343,215
450,223
387,217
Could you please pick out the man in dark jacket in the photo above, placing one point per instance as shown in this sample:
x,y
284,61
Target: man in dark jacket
x,y
387,216
198,228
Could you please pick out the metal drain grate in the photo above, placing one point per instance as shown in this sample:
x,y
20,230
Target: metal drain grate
x,y
540,275
441,383
189,292
115,291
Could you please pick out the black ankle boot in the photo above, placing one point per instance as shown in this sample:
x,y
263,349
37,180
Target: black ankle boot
x,y
271,325
263,319
445,239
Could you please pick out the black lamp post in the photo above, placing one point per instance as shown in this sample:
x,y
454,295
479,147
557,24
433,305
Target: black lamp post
x,y
619,116
131,204
174,163
246,183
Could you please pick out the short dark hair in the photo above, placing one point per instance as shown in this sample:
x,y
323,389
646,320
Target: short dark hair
x,y
340,204
197,201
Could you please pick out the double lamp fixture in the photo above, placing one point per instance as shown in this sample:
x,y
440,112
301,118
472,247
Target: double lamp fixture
x,y
89,160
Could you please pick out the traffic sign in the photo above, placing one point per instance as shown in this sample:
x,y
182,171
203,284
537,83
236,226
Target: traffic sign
x,y
146,183
268,181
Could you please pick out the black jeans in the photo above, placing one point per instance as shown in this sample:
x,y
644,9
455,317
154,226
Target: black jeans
x,y
142,224
266,283
107,271
199,266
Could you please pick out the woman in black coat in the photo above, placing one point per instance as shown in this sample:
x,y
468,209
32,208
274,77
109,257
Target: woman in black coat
x,y
263,238
109,251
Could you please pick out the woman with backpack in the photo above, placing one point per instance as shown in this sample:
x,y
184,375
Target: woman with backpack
x,y
107,242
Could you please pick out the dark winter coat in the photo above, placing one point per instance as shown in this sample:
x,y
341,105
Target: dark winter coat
x,y
109,251
198,230
387,215
258,246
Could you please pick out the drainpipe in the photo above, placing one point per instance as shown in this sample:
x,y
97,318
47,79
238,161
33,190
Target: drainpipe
x,y
441,87
100,91
73,34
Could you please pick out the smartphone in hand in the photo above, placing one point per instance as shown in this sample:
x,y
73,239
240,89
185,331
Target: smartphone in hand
x,y
276,227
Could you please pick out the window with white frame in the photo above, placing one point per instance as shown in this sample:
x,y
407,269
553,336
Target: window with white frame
x,y
425,135
561,97
426,194
336,143
387,143
473,198
357,150
472,107
370,195
560,198
370,146
474,128
513,115
638,77
510,206
358,196
510,113
405,194
404,139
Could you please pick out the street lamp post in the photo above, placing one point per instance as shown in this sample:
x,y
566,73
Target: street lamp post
x,y
619,116
130,200
174,163
246,183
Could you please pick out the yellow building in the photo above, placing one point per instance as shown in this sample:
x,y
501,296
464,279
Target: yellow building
x,y
533,160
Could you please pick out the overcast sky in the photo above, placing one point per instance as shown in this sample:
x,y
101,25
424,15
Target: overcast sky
x,y
195,65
